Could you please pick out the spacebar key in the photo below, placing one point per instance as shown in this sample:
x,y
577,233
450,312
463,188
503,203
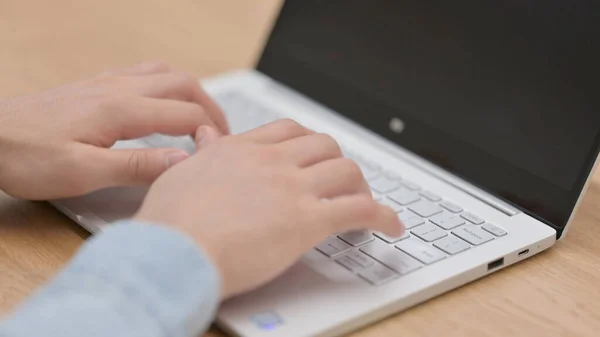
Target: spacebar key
x,y
391,257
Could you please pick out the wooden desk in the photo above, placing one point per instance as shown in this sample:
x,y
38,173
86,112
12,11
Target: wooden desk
x,y
45,43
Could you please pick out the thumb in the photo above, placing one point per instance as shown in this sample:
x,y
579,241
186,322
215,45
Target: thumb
x,y
206,135
135,166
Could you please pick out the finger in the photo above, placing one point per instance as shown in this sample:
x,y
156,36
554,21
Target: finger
x,y
110,167
311,149
213,109
334,178
185,87
359,212
141,116
144,68
206,135
276,132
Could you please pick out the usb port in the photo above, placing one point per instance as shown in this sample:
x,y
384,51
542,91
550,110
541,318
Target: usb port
x,y
495,264
524,252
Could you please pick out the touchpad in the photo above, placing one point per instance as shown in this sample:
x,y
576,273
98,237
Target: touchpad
x,y
114,204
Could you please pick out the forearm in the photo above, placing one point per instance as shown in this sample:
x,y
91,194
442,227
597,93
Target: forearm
x,y
131,280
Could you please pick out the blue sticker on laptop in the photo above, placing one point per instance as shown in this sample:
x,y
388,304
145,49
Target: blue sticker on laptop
x,y
267,320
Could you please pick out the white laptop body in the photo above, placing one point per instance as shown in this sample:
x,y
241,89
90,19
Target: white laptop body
x,y
461,225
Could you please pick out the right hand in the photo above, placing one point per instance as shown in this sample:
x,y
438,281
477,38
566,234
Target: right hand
x,y
257,201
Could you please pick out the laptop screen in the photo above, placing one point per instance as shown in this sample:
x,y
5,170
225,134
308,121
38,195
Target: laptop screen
x,y
505,94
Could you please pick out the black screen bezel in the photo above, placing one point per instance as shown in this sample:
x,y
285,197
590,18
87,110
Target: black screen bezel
x,y
537,197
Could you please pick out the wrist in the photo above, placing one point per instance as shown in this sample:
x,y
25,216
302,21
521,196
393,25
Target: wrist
x,y
207,251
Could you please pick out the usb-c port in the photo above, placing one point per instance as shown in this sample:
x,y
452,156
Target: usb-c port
x,y
524,252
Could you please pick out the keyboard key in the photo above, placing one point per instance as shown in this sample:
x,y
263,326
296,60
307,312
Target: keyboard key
x,y
391,257
370,164
369,173
394,205
429,232
421,251
347,153
425,208
447,220
378,274
244,113
413,222
431,196
390,239
392,176
452,245
356,238
473,235
404,197
451,207
472,218
354,156
407,215
182,142
410,185
355,261
497,231
333,247
410,220
384,185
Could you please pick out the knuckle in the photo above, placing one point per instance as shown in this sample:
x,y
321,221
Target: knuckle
x,y
271,154
330,143
116,108
186,80
197,111
289,126
194,113
138,160
110,103
284,179
352,169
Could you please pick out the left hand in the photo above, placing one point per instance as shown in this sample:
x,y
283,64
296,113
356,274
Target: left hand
x,y
56,144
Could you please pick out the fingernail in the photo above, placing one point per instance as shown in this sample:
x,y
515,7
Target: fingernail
x,y
174,158
205,135
200,136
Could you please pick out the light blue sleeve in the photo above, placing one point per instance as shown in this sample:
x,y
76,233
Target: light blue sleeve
x,y
131,280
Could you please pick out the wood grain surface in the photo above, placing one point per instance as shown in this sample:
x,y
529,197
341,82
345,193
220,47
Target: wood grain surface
x,y
46,43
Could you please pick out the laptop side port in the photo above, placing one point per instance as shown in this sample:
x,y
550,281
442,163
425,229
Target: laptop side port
x,y
495,264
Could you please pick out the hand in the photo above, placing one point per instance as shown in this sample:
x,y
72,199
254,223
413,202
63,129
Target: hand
x,y
56,144
257,201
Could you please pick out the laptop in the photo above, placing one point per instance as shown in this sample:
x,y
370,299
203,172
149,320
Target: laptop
x,y
477,121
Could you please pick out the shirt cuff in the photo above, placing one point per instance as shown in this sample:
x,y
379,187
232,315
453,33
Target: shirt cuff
x,y
158,270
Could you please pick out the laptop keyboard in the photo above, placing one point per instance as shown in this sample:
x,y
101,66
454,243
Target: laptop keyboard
x,y
436,228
